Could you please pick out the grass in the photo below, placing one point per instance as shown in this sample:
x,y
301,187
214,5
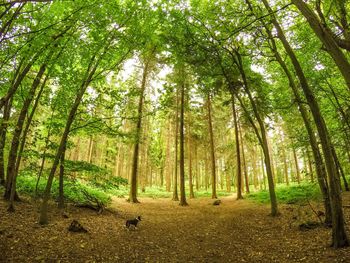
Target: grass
x,y
294,193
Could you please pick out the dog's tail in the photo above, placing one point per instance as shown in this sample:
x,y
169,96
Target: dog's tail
x,y
127,224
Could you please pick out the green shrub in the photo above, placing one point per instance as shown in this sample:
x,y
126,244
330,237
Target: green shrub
x,y
73,190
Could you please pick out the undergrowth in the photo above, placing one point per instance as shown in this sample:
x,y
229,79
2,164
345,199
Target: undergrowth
x,y
73,190
294,193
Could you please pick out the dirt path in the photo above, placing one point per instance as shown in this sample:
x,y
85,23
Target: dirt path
x,y
235,231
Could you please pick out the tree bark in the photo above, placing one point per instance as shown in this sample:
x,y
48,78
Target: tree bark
x,y
168,161
296,163
285,166
189,149
245,168
238,150
135,159
175,192
3,133
61,181
212,149
183,201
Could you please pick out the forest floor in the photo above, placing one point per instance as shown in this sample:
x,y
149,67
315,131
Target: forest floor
x,y
234,231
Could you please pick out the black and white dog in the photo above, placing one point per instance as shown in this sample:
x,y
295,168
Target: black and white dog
x,y
133,222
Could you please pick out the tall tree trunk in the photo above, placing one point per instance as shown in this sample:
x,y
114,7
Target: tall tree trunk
x,y
61,181
340,169
3,133
310,165
135,159
296,163
197,164
183,201
245,168
254,168
263,169
285,166
339,237
189,149
168,161
175,192
91,143
212,149
238,150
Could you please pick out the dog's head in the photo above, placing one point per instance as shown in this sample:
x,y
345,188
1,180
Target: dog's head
x,y
138,218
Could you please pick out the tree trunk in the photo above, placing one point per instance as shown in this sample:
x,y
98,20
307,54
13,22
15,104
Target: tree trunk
x,y
61,181
285,166
197,164
175,193
310,165
238,150
183,201
135,159
212,149
296,163
91,143
3,133
168,161
189,149
245,168
340,169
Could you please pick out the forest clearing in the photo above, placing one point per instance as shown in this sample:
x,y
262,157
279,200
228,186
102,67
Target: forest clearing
x,y
235,231
174,111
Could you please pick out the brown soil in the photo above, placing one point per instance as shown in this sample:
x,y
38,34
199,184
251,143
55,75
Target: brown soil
x,y
234,231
